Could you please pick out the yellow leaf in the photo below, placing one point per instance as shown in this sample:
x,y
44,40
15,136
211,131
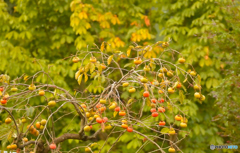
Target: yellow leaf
x,y
74,92
129,101
80,79
109,60
185,80
102,46
115,113
77,74
128,51
0,93
55,92
25,78
86,77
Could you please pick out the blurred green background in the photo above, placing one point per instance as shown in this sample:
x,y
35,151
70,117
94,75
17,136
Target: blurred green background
x,y
206,32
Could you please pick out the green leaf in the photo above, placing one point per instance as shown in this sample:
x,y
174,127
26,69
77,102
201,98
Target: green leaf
x,y
30,111
165,130
103,79
181,96
92,67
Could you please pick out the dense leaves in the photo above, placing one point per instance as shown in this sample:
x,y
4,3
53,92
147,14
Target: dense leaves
x,y
37,35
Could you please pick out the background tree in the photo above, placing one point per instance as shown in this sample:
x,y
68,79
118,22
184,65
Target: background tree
x,y
34,32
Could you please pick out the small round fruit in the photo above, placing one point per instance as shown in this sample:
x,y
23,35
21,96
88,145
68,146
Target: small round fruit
x,y
183,125
124,121
43,122
146,94
202,98
160,91
3,101
144,80
41,127
160,75
165,44
169,74
25,139
146,68
161,109
196,87
170,90
164,70
87,128
41,92
98,105
96,116
30,128
23,120
125,84
179,85
162,123
90,118
171,131
184,120
99,120
102,109
36,133
155,114
52,146
88,114
193,73
137,60
117,109
153,110
153,101
153,105
38,124
103,66
108,127
105,119
178,117
83,105
181,60
129,129
93,59
103,101
197,95
87,149
51,103
32,87
161,100
125,126
8,120
75,59
1,88
14,89
171,149
132,90
122,113
13,146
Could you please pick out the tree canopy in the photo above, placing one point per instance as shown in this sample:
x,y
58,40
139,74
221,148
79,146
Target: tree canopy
x,y
43,37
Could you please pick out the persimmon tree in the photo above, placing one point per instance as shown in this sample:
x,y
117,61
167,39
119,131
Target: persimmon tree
x,y
156,110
